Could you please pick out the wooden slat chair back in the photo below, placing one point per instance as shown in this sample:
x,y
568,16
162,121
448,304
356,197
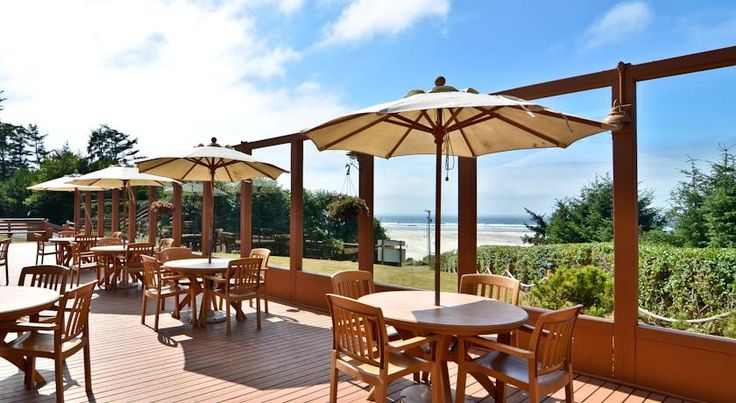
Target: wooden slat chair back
x,y
175,253
133,260
361,348
151,272
165,243
240,283
41,246
352,283
109,241
52,277
67,234
159,285
81,260
70,333
542,369
263,254
4,247
117,234
493,286
85,242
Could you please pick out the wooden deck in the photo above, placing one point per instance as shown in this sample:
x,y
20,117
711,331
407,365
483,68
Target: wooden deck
x,y
287,360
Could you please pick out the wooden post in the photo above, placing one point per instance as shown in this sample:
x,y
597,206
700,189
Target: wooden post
x,y
176,216
246,218
87,213
100,214
206,217
296,227
625,232
115,224
131,213
366,243
76,207
467,223
152,215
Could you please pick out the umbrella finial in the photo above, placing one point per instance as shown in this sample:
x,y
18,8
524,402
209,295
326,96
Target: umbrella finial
x,y
439,81
213,141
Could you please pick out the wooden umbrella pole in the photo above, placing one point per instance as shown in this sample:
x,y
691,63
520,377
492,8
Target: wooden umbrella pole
x,y
212,212
438,139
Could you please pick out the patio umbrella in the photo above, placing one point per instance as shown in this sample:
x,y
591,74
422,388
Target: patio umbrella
x,y
195,188
210,163
458,123
121,177
62,185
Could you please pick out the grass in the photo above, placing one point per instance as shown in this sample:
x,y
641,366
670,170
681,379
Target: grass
x,y
408,276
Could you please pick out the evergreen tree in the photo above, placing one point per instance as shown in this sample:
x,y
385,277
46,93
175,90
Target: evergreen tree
x,y
108,146
719,204
539,228
18,151
687,210
36,144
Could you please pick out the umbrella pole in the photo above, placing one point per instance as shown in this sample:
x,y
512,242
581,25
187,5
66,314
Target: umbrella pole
x,y
438,215
212,212
125,210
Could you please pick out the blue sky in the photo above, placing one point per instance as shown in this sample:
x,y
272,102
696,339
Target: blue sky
x,y
175,73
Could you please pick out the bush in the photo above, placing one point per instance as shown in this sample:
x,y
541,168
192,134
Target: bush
x,y
590,286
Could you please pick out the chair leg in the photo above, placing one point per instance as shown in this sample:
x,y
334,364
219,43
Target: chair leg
x,y
87,369
500,392
193,307
143,310
59,376
258,313
158,312
333,379
462,372
265,300
380,392
30,371
569,394
7,274
227,317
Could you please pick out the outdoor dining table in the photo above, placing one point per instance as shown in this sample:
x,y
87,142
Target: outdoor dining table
x,y
16,302
195,270
110,256
63,249
458,315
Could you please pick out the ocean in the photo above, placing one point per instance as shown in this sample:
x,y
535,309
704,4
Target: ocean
x,y
492,230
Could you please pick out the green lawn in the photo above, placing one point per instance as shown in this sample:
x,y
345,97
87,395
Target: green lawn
x,y
409,276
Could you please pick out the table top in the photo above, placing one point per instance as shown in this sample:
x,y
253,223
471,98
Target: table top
x,y
459,314
19,301
108,249
196,266
59,239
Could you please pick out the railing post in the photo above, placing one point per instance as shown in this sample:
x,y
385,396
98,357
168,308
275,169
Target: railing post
x,y
467,223
115,224
100,214
296,227
366,248
176,216
87,213
246,214
625,232
76,207
152,215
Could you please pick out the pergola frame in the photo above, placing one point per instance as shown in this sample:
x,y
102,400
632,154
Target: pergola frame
x,y
692,365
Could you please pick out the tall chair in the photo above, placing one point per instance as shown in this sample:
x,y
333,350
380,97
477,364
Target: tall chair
x,y
133,261
41,246
263,254
543,368
69,333
500,288
240,283
361,349
159,285
4,246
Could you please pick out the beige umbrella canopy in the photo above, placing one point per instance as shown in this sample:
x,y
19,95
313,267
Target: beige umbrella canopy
x,y
458,123
62,185
195,188
210,163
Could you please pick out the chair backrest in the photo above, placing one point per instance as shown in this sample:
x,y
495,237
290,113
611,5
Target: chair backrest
x,y
244,274
358,330
134,251
151,272
67,234
48,276
175,253
40,240
552,339
165,243
74,317
85,242
4,246
117,234
352,283
500,288
262,253
109,241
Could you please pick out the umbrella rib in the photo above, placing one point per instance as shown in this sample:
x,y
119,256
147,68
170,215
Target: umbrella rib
x,y
530,131
168,160
560,115
227,171
259,170
413,124
470,147
354,132
465,123
453,116
403,137
484,115
194,164
337,121
426,116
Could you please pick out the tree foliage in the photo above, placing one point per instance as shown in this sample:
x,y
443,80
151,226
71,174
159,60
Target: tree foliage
x,y
108,146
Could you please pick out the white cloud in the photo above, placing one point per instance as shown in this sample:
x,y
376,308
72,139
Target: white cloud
x,y
172,74
289,7
364,19
620,22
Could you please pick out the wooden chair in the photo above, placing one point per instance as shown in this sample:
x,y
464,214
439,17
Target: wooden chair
x,y
175,253
240,283
4,246
543,368
133,266
41,247
493,286
80,261
352,283
263,254
165,243
109,241
361,349
53,277
69,333
117,234
159,285
67,234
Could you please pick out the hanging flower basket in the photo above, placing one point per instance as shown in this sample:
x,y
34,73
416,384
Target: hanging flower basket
x,y
346,207
162,207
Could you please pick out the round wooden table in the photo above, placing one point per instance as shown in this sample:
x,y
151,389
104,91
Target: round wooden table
x,y
196,269
16,302
458,315
63,251
108,256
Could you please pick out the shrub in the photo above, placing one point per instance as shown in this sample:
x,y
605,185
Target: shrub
x,y
588,285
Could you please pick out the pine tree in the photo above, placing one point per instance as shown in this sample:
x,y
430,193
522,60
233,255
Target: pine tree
x,y
36,144
109,146
719,204
687,211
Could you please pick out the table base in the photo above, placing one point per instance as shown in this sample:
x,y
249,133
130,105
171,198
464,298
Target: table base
x,y
212,316
421,393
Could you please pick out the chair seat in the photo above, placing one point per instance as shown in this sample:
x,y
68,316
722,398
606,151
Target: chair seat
x,y
168,289
397,363
516,368
41,342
